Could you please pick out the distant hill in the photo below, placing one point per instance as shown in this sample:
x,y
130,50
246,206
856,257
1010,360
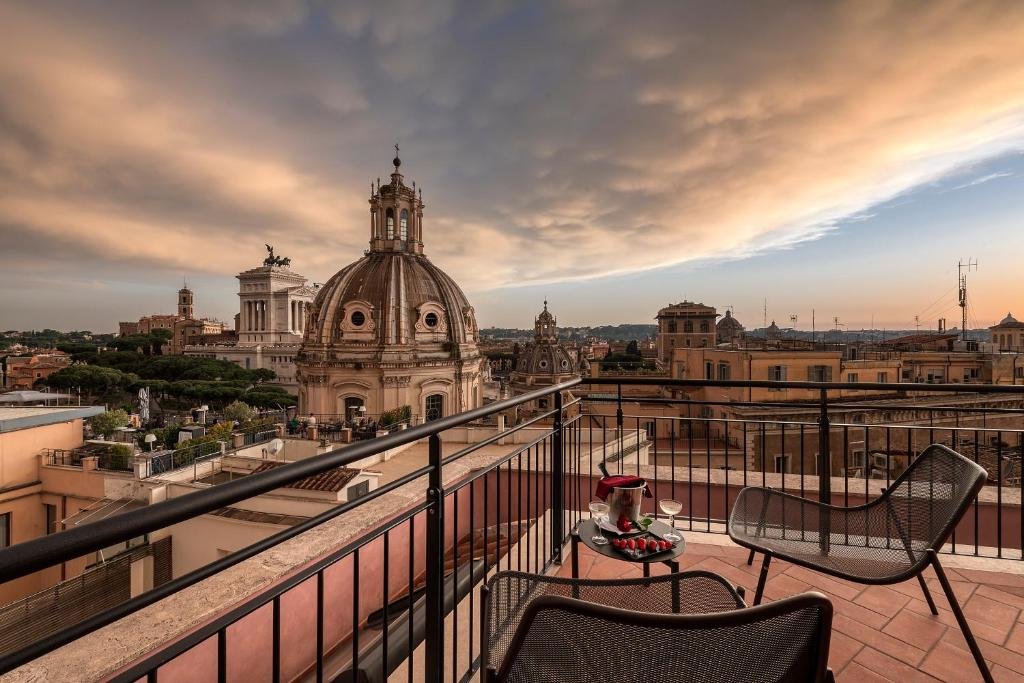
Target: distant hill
x,y
604,332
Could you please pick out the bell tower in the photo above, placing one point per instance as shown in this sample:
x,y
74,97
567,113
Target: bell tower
x,y
396,214
186,308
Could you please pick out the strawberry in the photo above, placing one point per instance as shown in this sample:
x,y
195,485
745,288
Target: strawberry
x,y
641,544
663,545
631,544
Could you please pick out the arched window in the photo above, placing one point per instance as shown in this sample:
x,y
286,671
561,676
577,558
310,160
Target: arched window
x,y
390,220
434,406
704,326
671,326
403,225
688,326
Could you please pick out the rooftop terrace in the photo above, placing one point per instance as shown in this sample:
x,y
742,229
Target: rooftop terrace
x,y
388,585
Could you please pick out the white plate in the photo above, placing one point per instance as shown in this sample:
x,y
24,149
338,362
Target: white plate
x,y
607,525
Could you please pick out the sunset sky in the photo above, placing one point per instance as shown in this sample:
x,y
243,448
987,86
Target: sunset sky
x,y
610,156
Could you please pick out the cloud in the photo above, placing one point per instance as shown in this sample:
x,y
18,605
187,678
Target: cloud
x,y
553,142
982,179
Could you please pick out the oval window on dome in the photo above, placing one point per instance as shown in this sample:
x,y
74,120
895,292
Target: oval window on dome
x,y
565,363
430,319
358,319
543,364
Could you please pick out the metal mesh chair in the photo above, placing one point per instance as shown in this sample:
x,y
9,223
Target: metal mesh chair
x,y
544,635
887,540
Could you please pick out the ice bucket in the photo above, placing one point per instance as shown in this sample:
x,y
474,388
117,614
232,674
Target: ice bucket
x,y
625,500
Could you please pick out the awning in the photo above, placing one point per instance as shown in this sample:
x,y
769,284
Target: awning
x,y
101,509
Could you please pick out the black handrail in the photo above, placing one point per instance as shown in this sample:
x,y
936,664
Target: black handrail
x,y
899,387
24,558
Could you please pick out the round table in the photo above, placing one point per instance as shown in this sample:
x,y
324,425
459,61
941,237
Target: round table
x,y
585,530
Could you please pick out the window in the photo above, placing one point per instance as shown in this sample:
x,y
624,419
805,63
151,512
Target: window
x,y
777,373
782,463
651,429
819,373
704,326
882,378
51,518
430,319
851,377
403,225
358,490
1020,372
358,319
542,403
434,407
390,222
672,326
970,374
724,371
687,342
707,412
709,370
5,530
688,326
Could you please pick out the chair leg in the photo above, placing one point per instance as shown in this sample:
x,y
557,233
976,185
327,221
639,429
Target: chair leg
x,y
750,558
763,578
927,595
960,618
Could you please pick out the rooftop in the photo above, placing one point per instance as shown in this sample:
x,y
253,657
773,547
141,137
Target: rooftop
x,y
12,418
331,481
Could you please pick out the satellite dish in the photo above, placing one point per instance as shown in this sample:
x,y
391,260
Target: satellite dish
x,y
275,446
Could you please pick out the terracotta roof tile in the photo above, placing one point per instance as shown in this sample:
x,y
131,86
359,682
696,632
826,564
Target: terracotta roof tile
x,y
331,481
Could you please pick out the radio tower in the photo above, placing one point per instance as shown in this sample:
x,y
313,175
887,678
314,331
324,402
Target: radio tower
x,y
962,269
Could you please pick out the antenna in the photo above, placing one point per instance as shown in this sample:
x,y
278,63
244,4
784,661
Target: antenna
x,y
962,269
766,314
812,325
917,323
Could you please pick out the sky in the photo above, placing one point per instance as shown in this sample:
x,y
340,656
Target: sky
x,y
613,157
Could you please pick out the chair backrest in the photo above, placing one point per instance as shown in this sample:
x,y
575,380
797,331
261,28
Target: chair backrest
x,y
927,501
508,594
563,639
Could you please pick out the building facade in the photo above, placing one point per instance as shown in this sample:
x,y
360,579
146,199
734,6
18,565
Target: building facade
x,y
391,329
273,302
1008,335
685,325
543,362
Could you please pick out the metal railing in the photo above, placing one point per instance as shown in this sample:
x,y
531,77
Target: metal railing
x,y
516,510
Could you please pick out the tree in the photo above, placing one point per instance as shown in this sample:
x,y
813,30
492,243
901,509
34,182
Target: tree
x,y
633,349
96,382
238,412
109,422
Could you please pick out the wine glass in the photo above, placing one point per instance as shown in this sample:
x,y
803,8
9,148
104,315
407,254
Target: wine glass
x,y
671,508
597,511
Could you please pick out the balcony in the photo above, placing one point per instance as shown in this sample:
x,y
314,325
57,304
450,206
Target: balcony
x,y
386,587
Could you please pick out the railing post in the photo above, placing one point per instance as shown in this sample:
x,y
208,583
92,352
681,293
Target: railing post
x,y
557,484
824,471
434,641
618,425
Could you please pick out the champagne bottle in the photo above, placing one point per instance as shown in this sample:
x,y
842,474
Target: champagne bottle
x,y
604,469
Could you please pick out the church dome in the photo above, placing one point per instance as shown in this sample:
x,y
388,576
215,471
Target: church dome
x,y
391,329
544,361
390,297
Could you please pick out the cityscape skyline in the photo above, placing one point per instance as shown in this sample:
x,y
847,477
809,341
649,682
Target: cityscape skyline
x,y
141,146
